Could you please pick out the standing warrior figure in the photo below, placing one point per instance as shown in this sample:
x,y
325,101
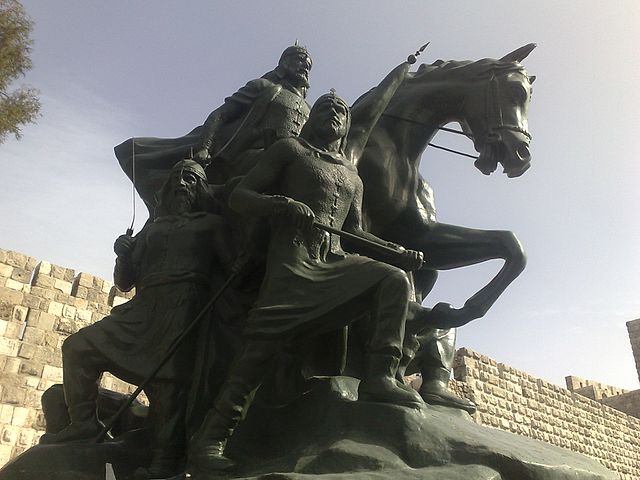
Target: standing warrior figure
x,y
170,262
311,285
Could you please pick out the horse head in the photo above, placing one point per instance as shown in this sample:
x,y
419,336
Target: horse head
x,y
495,114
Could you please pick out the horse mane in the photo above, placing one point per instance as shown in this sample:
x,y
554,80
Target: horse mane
x,y
442,70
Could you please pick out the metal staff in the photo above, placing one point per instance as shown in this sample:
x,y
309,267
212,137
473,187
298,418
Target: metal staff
x,y
358,239
133,185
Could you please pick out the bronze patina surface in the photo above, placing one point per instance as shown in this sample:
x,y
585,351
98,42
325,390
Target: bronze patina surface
x,y
294,246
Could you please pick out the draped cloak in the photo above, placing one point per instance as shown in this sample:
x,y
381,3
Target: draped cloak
x,y
245,134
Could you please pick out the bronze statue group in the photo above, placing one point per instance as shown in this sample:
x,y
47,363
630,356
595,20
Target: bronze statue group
x,y
272,187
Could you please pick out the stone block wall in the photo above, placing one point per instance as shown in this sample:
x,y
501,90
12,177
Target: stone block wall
x,y
40,305
512,400
624,400
627,402
592,389
633,328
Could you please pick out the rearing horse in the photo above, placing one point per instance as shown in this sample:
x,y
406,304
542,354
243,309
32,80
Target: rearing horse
x,y
490,99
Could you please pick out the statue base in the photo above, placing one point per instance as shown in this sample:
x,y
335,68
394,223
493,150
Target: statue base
x,y
81,461
326,432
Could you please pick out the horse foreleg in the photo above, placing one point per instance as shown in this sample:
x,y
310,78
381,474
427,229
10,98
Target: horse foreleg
x,y
449,246
423,282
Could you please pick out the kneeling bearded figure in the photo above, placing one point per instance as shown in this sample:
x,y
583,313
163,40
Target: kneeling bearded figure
x,y
170,263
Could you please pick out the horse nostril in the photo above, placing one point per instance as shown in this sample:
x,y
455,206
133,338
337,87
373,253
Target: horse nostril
x,y
523,152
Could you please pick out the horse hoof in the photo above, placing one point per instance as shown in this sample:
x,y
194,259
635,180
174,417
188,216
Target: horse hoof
x,y
445,316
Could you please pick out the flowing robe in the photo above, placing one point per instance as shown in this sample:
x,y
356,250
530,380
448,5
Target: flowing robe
x,y
311,286
174,259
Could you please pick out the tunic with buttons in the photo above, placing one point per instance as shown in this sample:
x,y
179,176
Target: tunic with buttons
x,y
311,285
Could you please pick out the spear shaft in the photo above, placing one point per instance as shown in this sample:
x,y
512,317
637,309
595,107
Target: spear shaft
x,y
176,344
358,239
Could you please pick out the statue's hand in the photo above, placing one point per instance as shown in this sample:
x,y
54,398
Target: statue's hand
x,y
124,245
395,246
203,157
410,260
300,214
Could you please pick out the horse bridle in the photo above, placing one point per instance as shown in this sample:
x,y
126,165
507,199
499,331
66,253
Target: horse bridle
x,y
495,110
494,117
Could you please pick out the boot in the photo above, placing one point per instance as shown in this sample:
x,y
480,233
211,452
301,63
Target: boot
x,y
84,426
165,465
380,385
435,391
206,451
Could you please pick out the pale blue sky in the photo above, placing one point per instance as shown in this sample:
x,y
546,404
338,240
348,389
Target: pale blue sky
x,y
111,70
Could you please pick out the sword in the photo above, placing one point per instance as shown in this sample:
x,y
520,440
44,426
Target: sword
x,y
358,239
133,186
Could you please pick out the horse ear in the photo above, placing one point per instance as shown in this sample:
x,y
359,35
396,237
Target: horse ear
x,y
532,78
519,54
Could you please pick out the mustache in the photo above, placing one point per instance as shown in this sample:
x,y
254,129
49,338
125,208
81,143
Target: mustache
x,y
183,192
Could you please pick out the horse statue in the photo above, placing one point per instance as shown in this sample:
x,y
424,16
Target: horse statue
x,y
489,98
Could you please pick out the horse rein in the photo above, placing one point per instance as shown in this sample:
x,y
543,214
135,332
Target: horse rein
x,y
424,124
495,120
444,129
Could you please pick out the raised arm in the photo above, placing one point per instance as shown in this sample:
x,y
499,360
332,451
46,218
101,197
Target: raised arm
x,y
366,112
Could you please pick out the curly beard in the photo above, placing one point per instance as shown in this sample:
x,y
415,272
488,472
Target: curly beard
x,y
182,201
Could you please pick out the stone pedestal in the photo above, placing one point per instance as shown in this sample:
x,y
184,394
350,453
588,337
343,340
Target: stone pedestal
x,y
327,434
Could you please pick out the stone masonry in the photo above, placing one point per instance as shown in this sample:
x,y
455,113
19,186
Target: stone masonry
x,y
593,390
512,400
624,400
633,327
41,304
628,403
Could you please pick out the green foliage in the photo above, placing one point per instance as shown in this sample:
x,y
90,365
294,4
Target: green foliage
x,y
20,105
